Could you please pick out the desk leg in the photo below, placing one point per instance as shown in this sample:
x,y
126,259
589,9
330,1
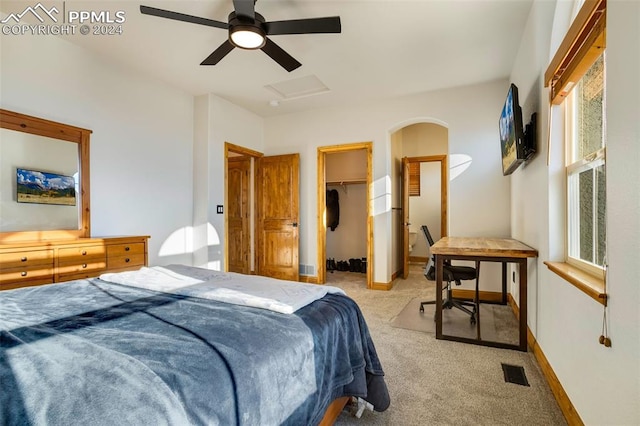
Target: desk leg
x,y
504,283
523,304
477,300
439,269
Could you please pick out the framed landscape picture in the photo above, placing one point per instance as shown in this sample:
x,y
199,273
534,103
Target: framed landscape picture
x,y
45,188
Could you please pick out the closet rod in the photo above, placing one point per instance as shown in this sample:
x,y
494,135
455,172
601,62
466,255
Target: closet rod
x,y
347,182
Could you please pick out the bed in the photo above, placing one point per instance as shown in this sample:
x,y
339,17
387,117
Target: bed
x,y
118,350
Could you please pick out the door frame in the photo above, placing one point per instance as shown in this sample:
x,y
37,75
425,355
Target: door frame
x,y
231,148
444,191
322,206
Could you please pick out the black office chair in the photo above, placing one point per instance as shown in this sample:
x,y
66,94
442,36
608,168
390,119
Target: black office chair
x,y
450,274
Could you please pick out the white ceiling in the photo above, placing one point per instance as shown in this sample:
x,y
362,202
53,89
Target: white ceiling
x,y
387,48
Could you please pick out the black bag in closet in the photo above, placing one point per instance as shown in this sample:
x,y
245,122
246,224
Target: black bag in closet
x,y
333,209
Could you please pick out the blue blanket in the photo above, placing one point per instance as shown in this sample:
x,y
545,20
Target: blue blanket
x,y
91,352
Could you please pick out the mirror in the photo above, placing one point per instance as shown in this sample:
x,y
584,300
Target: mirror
x,y
44,179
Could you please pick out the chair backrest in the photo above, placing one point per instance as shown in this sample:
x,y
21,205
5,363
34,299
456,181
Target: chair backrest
x,y
430,268
427,234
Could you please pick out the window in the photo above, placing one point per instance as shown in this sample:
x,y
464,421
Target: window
x,y
586,176
576,79
414,179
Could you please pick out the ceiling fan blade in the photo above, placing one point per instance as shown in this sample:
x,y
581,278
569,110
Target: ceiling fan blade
x,y
176,16
330,24
245,8
280,56
218,54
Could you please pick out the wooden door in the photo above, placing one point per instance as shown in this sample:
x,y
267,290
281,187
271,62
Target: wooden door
x,y
405,217
238,169
277,190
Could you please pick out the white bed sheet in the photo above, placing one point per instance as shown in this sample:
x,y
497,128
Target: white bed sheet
x,y
247,290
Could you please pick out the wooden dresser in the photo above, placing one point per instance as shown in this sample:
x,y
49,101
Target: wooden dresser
x,y
43,262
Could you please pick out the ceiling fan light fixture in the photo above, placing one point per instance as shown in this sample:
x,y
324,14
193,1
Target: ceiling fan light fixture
x,y
247,37
248,30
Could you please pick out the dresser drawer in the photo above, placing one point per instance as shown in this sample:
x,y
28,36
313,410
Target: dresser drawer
x,y
116,250
76,254
27,274
26,283
42,262
26,259
89,265
126,262
81,275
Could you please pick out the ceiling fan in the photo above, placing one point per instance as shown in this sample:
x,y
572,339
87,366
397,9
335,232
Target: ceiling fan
x,y
249,30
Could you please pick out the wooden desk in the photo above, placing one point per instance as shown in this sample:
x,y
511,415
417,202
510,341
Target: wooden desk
x,y
503,250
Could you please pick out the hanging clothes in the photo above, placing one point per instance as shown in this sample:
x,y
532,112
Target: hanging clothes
x,y
333,209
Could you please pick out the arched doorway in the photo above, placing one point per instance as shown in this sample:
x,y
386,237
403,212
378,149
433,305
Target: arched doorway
x,y
421,145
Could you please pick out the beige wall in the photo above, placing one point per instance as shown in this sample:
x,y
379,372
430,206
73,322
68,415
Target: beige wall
x,y
347,166
423,139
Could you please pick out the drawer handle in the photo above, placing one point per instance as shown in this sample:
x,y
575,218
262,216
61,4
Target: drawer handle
x,y
23,274
126,248
127,260
24,259
84,252
84,265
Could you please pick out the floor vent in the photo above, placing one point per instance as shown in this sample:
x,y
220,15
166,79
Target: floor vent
x,y
307,269
514,374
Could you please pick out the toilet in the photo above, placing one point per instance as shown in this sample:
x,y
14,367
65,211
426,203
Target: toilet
x,y
413,237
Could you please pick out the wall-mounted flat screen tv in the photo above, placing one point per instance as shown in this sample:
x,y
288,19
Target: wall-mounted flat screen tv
x,y
511,132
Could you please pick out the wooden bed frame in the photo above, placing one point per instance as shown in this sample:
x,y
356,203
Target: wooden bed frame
x,y
333,411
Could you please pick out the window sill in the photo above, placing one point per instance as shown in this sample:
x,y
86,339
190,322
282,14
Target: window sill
x,y
590,285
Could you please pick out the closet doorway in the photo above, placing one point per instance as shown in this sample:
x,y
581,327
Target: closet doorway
x,y
353,173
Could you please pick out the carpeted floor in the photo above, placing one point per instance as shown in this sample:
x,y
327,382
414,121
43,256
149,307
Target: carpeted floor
x,y
437,382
